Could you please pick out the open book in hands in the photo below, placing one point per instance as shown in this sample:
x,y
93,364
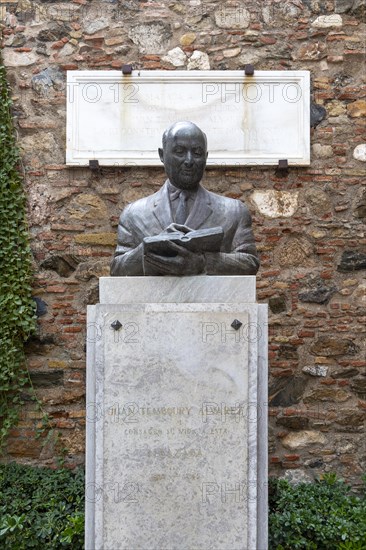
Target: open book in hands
x,y
199,240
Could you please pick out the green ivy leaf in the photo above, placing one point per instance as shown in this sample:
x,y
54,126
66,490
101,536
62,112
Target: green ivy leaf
x,y
17,320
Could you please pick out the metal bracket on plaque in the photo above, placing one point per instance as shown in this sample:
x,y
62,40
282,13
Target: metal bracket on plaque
x,y
94,166
126,69
282,168
249,70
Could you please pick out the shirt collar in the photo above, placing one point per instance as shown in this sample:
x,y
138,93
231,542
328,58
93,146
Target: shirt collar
x,y
174,192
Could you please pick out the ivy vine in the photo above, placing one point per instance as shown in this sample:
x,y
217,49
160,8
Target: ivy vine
x,y
17,312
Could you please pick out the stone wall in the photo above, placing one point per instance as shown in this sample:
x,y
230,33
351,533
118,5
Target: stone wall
x,y
308,224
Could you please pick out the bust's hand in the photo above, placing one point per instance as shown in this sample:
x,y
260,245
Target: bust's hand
x,y
177,228
184,262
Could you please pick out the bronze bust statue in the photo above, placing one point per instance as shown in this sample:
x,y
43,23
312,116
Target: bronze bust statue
x,y
183,229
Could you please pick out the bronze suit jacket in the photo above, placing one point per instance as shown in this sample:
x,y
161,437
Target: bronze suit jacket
x,y
152,215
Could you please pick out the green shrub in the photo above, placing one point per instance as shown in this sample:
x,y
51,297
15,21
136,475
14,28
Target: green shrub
x,y
44,509
41,508
316,516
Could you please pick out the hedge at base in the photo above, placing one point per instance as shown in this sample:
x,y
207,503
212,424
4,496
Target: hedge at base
x,y
41,508
16,304
44,509
316,516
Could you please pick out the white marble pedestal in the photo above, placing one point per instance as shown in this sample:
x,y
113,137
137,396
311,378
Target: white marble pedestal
x,y
176,415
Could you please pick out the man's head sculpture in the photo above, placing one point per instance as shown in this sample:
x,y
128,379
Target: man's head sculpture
x,y
184,154
183,229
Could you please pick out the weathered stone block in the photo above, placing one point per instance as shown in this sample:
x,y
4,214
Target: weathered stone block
x,y
319,294
311,52
91,27
284,392
316,370
352,261
64,265
87,207
327,21
293,422
317,114
12,58
236,17
152,37
41,306
198,61
175,57
53,33
231,52
45,379
322,151
187,39
303,439
329,346
351,420
324,393
358,386
276,204
277,304
357,108
87,270
359,152
104,239
294,252
345,373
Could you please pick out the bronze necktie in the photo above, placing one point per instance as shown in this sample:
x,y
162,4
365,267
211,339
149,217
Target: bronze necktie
x,y
182,210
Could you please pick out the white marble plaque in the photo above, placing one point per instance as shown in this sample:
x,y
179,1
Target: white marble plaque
x,y
249,120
